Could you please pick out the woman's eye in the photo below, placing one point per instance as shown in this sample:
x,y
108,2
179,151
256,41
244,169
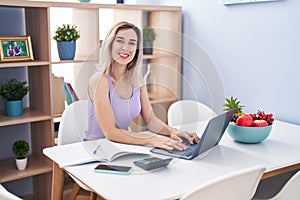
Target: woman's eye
x,y
120,41
132,43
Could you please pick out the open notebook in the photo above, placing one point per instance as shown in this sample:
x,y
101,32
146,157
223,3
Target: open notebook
x,y
101,150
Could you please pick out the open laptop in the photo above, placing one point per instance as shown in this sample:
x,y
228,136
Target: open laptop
x,y
211,136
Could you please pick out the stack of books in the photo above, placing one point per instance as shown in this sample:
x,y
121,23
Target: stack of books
x,y
62,92
71,95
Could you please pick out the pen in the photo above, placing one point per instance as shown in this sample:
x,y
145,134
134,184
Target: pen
x,y
95,151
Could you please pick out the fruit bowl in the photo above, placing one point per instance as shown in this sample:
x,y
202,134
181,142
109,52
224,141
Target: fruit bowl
x,y
249,135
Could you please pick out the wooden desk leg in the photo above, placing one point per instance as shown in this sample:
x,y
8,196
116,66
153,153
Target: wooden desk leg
x,y
57,182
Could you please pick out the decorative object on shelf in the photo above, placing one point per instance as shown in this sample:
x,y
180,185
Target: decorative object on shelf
x,y
227,2
15,48
84,1
12,93
20,149
148,38
66,37
150,82
147,73
120,1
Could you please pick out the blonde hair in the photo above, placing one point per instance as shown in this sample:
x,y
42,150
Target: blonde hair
x,y
133,68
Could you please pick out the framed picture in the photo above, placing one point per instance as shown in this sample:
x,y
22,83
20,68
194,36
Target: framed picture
x,y
15,48
243,1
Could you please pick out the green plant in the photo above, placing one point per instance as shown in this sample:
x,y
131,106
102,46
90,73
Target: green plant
x,y
234,103
148,34
20,149
13,90
66,32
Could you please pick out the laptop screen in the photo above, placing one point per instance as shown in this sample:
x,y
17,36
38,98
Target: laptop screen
x,y
214,131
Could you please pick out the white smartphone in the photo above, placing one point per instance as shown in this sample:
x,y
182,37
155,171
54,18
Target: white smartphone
x,y
113,169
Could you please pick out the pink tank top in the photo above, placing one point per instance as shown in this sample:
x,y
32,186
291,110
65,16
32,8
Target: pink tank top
x,y
124,111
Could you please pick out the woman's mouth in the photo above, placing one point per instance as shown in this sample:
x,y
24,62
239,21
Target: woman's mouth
x,y
123,55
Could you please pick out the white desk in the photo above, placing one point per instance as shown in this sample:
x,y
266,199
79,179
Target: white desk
x,y
279,153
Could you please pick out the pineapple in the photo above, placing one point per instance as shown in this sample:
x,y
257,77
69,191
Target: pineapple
x,y
234,103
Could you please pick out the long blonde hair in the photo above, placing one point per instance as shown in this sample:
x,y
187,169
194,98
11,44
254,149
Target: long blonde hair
x,y
133,68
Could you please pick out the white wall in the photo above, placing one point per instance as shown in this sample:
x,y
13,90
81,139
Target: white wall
x,y
255,48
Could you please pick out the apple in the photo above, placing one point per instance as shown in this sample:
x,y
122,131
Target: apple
x,y
244,120
260,122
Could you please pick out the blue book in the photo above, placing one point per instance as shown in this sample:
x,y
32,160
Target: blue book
x,y
69,97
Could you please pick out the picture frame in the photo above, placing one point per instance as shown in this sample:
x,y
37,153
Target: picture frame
x,y
15,48
228,2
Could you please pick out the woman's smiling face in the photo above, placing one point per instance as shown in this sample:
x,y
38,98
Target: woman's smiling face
x,y
124,46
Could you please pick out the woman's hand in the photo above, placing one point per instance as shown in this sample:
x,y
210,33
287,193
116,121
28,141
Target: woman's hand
x,y
178,134
167,143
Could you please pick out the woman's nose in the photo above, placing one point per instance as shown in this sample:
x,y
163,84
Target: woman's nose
x,y
125,47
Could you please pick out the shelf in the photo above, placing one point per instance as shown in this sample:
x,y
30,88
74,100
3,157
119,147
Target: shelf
x,y
28,116
22,64
76,60
158,55
163,100
35,166
79,5
57,115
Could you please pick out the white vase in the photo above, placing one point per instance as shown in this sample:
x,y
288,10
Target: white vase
x,y
21,163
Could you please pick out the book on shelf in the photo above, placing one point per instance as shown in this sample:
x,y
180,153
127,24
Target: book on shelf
x,y
71,95
101,150
58,92
73,92
53,94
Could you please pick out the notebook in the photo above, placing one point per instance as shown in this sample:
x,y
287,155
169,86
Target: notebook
x,y
211,136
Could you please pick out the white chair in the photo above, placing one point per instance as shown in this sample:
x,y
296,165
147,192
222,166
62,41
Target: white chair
x,y
6,195
187,111
72,128
290,191
240,185
73,123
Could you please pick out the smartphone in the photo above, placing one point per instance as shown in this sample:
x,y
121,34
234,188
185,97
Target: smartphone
x,y
113,169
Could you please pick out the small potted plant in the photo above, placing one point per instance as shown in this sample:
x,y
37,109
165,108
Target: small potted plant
x,y
148,38
20,149
66,36
12,93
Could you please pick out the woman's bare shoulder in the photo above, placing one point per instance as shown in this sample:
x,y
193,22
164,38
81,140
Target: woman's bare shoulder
x,y
97,80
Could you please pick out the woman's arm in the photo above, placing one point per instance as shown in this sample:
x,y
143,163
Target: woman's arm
x,y
107,122
156,125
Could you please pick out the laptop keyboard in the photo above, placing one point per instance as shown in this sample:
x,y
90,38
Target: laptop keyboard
x,y
190,148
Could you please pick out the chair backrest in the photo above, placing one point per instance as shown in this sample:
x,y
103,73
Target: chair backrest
x,y
290,190
239,185
73,126
187,111
74,123
5,195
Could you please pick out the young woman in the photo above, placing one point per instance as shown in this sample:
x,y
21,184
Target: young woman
x,y
10,50
117,95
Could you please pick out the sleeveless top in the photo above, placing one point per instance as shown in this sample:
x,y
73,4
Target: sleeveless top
x,y
124,111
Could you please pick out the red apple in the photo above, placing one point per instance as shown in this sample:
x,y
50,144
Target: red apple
x,y
244,120
259,123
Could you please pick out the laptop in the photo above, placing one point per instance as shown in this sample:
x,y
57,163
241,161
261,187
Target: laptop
x,y
211,136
